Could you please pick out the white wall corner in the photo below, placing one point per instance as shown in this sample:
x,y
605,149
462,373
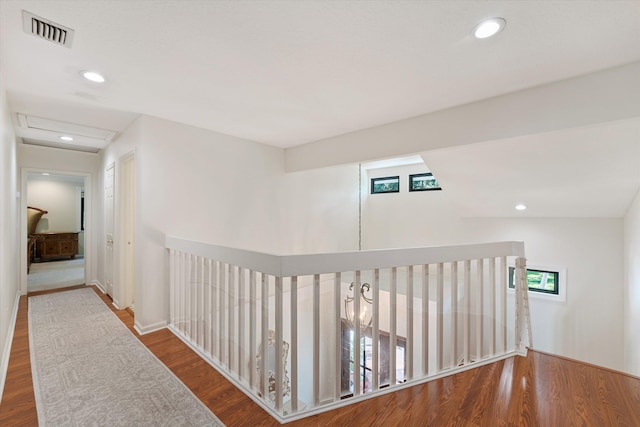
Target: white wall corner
x,y
143,330
6,352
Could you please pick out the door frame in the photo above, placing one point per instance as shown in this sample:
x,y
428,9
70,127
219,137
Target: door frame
x,y
89,260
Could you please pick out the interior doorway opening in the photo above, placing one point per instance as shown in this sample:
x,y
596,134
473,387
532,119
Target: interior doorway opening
x,y
56,217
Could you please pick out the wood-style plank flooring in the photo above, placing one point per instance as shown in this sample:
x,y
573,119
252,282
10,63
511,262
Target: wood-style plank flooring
x,y
539,390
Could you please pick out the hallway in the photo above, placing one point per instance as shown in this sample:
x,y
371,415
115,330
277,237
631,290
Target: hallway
x,y
536,390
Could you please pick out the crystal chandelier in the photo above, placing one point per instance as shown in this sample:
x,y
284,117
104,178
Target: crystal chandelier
x,y
365,316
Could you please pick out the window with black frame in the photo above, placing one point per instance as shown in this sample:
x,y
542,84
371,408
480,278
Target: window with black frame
x,y
544,281
387,184
423,182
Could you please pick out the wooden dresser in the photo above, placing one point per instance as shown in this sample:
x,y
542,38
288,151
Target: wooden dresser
x,y
56,245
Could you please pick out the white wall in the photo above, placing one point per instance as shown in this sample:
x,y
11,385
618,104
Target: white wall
x,y
588,326
58,198
198,185
319,210
632,288
9,237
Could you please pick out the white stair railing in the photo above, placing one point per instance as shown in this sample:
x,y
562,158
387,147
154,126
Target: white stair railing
x,y
423,313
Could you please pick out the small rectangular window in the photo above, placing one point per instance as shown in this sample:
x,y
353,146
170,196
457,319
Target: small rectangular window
x,y
423,182
389,184
544,281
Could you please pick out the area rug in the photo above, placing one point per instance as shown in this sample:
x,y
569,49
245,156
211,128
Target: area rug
x,y
90,370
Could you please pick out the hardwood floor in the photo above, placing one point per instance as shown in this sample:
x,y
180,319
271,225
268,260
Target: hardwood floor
x,y
539,390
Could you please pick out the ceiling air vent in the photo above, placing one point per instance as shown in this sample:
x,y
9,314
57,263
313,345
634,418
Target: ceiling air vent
x,y
45,29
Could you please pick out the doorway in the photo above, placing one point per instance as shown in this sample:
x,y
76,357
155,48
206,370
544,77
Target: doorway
x,y
55,242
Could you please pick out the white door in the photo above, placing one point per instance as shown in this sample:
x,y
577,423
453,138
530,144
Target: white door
x,y
109,188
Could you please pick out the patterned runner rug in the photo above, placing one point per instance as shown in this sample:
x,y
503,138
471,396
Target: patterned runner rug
x,y
90,370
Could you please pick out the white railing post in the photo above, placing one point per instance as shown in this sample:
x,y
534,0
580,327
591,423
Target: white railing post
x,y
522,306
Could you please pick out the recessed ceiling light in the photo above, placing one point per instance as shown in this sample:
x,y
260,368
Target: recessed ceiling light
x,y
93,76
489,27
66,138
521,207
45,174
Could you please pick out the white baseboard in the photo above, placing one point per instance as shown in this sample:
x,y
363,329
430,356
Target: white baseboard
x,y
116,304
7,344
143,330
99,285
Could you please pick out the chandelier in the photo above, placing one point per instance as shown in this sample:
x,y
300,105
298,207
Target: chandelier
x,y
365,316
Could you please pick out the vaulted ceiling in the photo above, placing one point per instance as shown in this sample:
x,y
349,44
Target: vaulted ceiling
x,y
286,73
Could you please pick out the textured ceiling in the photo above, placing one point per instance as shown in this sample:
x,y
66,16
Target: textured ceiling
x,y
289,72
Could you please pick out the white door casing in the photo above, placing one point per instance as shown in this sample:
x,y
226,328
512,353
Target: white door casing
x,y
126,215
109,190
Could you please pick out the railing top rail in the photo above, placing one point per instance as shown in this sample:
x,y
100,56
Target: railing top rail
x,y
301,265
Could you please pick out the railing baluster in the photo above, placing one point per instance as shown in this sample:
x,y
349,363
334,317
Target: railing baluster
x,y
252,329
189,299
357,390
480,309
278,343
215,309
425,319
209,308
393,327
503,300
222,285
172,286
231,277
316,339
201,329
440,302
241,322
409,344
264,329
294,344
467,313
375,333
492,305
454,314
337,374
